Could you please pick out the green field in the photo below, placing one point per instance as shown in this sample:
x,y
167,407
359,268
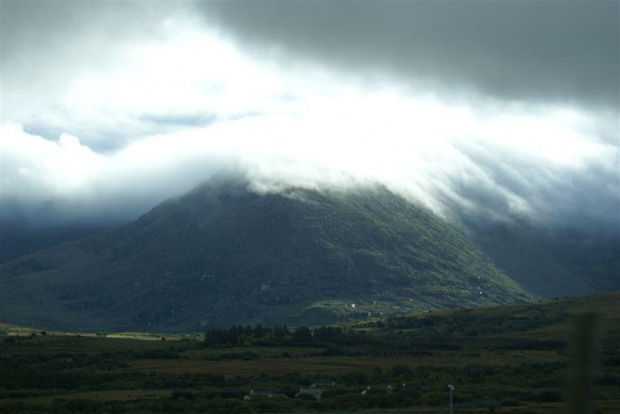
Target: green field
x,y
515,359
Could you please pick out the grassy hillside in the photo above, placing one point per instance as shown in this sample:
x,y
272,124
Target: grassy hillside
x,y
222,255
512,359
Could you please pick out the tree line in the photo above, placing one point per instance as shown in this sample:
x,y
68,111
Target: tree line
x,y
279,335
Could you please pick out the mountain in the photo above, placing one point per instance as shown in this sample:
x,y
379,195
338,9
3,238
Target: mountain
x,y
553,263
19,238
224,255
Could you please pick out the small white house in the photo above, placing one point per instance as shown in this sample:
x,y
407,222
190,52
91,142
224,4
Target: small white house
x,y
314,392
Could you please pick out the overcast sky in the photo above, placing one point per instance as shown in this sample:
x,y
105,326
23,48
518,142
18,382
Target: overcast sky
x,y
502,111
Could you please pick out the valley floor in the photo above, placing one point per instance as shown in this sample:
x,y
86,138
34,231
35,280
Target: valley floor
x,y
517,359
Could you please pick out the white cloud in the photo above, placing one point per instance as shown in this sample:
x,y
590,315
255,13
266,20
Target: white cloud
x,y
34,168
418,148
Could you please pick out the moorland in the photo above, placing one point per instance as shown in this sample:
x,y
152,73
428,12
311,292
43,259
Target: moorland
x,y
507,359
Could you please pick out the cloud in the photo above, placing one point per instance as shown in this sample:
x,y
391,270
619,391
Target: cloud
x,y
118,108
457,168
562,52
115,73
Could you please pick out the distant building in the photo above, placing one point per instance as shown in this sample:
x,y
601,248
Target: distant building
x,y
314,392
269,394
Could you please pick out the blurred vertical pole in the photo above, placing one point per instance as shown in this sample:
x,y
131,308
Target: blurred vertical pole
x,y
582,365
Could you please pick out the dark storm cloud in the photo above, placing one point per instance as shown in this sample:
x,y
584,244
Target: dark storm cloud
x,y
558,51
